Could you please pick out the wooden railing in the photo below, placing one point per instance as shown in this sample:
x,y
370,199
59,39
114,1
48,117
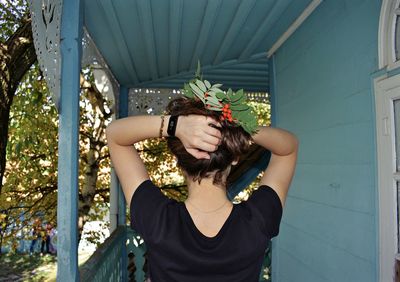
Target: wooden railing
x,y
136,257
119,258
108,263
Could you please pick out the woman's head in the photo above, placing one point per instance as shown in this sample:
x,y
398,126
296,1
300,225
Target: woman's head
x,y
234,143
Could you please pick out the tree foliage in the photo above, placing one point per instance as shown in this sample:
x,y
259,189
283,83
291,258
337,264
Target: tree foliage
x,y
17,54
30,188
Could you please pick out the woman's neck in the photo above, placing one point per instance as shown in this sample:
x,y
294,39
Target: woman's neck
x,y
206,196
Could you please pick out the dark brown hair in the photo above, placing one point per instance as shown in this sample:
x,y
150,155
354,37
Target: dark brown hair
x,y
235,142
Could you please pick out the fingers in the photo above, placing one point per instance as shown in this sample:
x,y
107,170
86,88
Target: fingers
x,y
212,122
207,147
198,154
200,135
212,132
210,136
212,141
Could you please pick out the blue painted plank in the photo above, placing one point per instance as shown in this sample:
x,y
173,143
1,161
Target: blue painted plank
x,y
112,18
262,29
320,258
344,229
160,11
146,22
239,20
208,24
299,271
345,144
283,19
190,28
175,31
345,186
218,33
67,211
332,110
113,58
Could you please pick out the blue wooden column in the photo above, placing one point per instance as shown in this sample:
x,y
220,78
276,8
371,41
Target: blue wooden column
x,y
114,191
123,112
273,98
67,211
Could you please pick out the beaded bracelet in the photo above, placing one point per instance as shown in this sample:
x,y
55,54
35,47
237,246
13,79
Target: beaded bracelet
x,y
162,126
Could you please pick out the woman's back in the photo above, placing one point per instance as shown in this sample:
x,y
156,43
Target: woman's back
x,y
178,251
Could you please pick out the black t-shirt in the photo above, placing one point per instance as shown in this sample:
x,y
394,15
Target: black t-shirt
x,y
178,251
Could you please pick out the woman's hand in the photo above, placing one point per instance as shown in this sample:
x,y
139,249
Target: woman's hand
x,y
198,136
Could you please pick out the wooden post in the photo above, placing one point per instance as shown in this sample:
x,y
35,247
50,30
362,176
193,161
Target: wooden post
x,y
114,191
272,94
123,112
67,211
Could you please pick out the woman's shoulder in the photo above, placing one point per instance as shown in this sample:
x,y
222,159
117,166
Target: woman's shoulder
x,y
148,191
264,204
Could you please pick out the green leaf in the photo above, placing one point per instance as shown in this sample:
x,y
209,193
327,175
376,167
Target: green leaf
x,y
201,85
198,70
213,99
215,90
207,83
213,103
239,107
187,91
197,91
38,97
240,92
238,97
215,108
18,148
220,95
229,94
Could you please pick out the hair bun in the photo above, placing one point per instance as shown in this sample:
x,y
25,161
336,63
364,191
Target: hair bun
x,y
235,142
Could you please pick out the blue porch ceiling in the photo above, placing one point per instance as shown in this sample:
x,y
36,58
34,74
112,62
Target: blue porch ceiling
x,y
157,43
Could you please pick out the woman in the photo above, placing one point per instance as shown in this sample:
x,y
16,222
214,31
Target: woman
x,y
206,238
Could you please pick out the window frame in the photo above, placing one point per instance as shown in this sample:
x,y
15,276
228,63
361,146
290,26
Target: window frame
x,y
387,34
386,91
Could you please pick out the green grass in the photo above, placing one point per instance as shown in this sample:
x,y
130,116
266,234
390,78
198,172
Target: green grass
x,y
24,267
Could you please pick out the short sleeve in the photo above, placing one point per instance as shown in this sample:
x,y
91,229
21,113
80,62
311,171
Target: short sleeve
x,y
266,203
146,207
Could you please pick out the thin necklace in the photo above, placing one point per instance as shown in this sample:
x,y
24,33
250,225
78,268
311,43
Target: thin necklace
x,y
212,211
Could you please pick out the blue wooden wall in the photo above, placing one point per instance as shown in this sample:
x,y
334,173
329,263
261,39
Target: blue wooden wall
x,y
324,95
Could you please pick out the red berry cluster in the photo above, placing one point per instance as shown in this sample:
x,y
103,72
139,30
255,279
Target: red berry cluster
x,y
227,113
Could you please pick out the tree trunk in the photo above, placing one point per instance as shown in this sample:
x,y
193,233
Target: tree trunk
x,y
88,190
96,143
17,55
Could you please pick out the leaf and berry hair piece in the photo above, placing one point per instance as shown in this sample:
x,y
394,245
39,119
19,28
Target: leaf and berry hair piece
x,y
232,105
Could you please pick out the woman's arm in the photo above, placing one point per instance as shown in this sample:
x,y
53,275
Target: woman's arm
x,y
283,146
194,132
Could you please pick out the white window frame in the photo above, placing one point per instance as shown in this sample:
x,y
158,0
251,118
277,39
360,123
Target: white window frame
x,y
387,34
386,91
